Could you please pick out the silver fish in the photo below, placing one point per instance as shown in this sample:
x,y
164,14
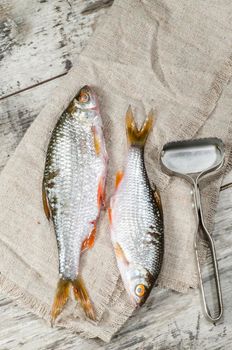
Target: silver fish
x,y
136,218
73,191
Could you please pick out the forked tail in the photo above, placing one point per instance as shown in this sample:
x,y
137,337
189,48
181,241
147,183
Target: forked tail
x,y
137,137
62,295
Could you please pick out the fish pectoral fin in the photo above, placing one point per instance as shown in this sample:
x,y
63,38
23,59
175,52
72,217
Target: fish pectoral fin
x,y
158,201
120,253
101,196
97,141
46,206
89,242
61,297
118,178
82,295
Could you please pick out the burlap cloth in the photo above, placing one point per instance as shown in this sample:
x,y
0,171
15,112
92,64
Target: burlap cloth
x,y
173,56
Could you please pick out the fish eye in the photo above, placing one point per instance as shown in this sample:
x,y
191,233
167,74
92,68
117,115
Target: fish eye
x,y
84,97
140,290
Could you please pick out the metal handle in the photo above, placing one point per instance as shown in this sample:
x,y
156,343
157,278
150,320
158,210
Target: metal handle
x,y
210,242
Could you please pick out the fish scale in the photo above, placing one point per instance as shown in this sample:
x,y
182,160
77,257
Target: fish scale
x,y
75,171
136,219
72,218
141,215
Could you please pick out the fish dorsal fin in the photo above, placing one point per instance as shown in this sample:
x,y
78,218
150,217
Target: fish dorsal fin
x,y
158,201
137,137
46,205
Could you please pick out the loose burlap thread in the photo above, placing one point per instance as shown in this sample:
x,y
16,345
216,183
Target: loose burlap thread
x,y
165,55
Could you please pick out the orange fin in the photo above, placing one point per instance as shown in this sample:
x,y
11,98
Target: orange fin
x,y
89,242
120,253
101,193
46,206
110,215
137,137
61,297
81,295
97,141
118,179
158,201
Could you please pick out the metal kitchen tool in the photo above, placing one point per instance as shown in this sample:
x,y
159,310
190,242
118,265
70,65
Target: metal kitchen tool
x,y
193,160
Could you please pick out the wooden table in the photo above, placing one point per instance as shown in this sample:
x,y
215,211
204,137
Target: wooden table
x,y
39,41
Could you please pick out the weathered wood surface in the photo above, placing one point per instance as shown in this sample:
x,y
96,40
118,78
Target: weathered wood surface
x,y
39,40
42,37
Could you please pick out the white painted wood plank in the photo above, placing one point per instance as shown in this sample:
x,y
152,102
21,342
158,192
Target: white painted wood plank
x,y
44,23
40,39
16,115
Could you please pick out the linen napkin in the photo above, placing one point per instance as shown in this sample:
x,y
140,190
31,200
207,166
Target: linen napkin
x,y
172,56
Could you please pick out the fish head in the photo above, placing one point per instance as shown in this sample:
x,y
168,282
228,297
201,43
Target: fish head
x,y
86,99
138,282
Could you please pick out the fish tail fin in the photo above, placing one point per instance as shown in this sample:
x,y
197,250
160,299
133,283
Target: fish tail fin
x,y
137,137
61,297
82,295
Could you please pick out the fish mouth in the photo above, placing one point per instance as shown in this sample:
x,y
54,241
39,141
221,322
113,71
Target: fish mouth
x,y
138,303
88,109
134,302
81,107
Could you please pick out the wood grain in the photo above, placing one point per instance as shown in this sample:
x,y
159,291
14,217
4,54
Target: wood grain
x,y
40,40
17,113
60,31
